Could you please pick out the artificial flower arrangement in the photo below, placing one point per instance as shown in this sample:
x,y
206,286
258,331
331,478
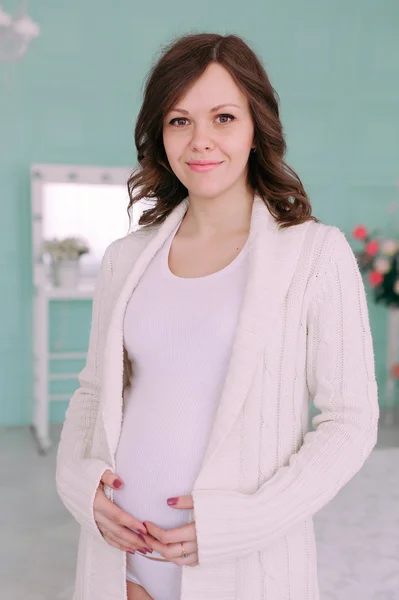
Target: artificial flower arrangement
x,y
64,264
70,248
380,257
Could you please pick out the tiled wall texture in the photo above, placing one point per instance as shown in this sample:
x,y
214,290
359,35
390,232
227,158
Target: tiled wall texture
x,y
74,98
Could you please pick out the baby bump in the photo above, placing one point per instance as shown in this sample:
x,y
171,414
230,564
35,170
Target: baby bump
x,y
152,471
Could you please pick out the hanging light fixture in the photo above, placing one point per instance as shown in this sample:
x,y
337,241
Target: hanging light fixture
x,y
16,33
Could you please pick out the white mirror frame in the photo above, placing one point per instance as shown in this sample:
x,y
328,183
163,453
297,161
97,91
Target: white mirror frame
x,y
41,174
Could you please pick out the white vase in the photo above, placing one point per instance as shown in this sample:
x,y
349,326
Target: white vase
x,y
65,273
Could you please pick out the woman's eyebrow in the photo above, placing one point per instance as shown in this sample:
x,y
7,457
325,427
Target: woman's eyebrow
x,y
219,106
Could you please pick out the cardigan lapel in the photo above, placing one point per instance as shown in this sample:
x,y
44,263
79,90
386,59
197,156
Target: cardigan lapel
x,y
273,255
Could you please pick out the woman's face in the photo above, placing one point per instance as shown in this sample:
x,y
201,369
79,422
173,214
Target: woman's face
x,y
198,128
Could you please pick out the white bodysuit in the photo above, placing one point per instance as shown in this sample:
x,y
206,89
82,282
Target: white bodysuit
x,y
178,333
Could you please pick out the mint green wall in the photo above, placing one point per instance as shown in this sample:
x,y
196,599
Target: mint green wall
x,y
75,96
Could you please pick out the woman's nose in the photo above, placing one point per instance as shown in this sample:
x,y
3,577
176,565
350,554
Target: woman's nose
x,y
201,139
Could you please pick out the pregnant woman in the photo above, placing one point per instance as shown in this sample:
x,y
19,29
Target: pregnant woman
x,y
186,454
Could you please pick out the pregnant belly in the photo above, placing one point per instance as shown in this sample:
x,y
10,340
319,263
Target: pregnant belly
x,y
152,472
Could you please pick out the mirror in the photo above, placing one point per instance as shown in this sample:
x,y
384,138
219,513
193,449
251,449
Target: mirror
x,y
95,213
86,203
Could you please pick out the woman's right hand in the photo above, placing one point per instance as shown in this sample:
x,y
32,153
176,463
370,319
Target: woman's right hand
x,y
114,524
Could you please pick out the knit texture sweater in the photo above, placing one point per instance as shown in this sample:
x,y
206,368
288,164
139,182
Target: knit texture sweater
x,y
302,335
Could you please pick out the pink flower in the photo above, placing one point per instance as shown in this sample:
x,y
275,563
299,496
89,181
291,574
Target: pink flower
x,y
372,247
389,247
382,265
360,232
375,278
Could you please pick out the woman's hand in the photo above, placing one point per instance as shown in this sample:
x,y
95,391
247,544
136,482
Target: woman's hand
x,y
169,545
114,524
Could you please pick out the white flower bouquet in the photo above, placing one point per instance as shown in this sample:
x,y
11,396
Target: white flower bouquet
x,y
70,248
64,259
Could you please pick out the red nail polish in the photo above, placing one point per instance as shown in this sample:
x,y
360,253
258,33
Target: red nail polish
x,y
117,483
172,501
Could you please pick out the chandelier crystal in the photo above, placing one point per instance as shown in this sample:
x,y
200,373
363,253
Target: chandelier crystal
x,y
16,33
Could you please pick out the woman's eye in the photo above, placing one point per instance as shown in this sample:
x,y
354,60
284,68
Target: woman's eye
x,y
227,117
173,121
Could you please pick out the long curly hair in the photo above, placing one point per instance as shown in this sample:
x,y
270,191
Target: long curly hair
x,y
181,63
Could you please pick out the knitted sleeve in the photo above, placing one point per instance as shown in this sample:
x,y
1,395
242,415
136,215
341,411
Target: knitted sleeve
x,y
341,379
77,475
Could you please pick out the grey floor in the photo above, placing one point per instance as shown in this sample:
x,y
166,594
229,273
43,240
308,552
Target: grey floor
x,y
357,533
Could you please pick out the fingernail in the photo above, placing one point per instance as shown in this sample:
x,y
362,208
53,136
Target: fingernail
x,y
143,531
172,501
118,483
131,551
142,550
141,537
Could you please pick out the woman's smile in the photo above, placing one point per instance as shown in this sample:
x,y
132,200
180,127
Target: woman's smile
x,y
201,168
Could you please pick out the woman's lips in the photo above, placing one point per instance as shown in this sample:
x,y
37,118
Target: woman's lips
x,y
203,168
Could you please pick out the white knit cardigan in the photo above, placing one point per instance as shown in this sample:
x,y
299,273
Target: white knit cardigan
x,y
303,333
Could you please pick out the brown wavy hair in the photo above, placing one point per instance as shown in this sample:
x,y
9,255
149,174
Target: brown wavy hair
x,y
181,63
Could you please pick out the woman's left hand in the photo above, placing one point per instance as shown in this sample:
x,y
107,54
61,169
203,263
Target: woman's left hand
x,y
167,541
